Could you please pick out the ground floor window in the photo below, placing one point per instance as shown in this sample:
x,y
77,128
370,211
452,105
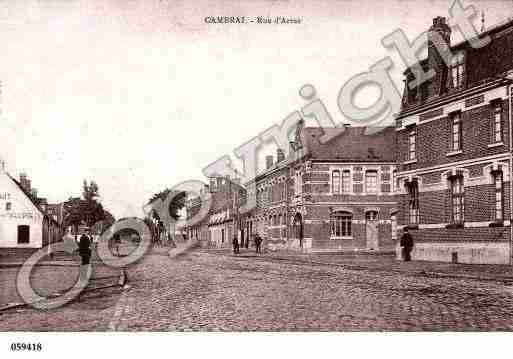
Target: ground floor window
x,y
393,219
413,202
23,234
457,199
341,224
497,177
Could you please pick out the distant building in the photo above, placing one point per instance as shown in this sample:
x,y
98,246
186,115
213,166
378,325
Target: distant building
x,y
334,196
222,222
453,149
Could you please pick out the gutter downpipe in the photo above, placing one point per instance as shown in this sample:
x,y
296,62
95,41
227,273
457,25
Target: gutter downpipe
x,y
509,96
509,92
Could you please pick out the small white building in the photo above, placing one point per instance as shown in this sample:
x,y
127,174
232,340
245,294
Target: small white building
x,y
23,224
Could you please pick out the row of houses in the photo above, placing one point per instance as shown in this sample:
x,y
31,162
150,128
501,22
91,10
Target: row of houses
x,y
443,170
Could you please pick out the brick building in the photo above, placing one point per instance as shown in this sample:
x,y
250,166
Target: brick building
x,y
332,196
453,149
216,228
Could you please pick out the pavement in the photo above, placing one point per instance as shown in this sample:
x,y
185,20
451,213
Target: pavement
x,y
205,290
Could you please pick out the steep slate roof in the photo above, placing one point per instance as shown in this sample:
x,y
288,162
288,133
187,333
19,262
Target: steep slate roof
x,y
34,203
483,63
26,194
352,144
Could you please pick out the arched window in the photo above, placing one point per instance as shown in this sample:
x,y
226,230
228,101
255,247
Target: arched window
x,y
335,181
341,224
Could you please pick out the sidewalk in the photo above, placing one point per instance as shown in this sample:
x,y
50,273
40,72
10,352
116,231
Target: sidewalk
x,y
385,263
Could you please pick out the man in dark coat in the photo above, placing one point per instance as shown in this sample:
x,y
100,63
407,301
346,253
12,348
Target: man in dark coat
x,y
235,245
407,245
84,247
258,243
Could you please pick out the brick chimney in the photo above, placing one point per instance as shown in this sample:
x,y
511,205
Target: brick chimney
x,y
439,43
23,181
280,155
268,161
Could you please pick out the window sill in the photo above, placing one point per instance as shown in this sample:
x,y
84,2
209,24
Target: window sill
x,y
409,162
340,238
454,226
453,153
496,144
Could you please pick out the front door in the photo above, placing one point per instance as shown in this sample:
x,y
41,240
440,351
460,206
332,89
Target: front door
x,y
298,228
371,225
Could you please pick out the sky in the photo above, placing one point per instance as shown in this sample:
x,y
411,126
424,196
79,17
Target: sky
x,y
141,95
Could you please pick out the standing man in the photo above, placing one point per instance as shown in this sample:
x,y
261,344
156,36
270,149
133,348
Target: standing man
x,y
84,247
258,243
116,243
407,244
235,245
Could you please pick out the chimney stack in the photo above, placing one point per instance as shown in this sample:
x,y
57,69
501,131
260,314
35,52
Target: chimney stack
x,y
439,43
23,181
268,161
280,155
33,193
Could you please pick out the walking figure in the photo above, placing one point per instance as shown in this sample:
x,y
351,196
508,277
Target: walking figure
x,y
258,243
84,247
235,245
117,242
407,245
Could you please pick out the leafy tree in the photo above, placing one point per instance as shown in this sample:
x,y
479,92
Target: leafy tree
x,y
93,210
87,210
176,204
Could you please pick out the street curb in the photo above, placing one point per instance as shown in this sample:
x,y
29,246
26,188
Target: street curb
x,y
421,272
123,279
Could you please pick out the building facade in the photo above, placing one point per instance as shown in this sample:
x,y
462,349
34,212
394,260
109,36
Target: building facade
x,y
216,228
453,149
336,196
24,224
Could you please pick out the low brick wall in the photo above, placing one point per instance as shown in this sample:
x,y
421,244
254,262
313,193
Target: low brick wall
x,y
472,253
16,254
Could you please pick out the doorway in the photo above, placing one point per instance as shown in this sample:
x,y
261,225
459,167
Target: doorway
x,y
371,227
297,226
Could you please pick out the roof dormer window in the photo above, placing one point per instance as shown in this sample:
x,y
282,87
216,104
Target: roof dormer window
x,y
458,69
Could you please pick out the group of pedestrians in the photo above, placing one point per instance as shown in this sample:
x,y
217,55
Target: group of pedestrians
x,y
406,244
258,244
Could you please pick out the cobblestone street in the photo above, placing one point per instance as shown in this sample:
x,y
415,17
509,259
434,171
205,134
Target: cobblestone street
x,y
216,291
